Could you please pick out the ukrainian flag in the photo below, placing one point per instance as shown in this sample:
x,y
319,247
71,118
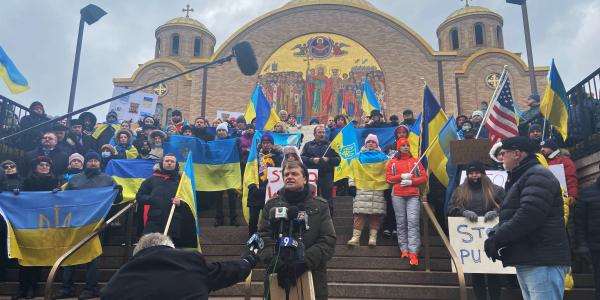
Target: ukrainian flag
x,y
369,100
260,108
346,145
250,173
129,173
414,136
42,226
216,163
447,134
187,192
15,81
555,104
368,171
100,127
288,139
434,119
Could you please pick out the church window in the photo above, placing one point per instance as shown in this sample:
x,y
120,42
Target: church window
x,y
175,44
499,37
157,47
197,47
454,38
478,34
169,111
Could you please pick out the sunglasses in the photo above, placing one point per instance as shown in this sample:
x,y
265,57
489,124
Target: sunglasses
x,y
6,167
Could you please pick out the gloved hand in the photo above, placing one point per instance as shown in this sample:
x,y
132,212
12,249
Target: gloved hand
x,y
406,175
406,182
470,215
352,191
490,216
56,190
250,257
491,248
252,189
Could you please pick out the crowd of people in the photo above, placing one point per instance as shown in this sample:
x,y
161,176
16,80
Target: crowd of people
x,y
532,212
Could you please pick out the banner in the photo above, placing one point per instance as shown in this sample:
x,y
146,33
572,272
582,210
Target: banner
x,y
42,226
499,177
467,240
133,107
225,115
275,179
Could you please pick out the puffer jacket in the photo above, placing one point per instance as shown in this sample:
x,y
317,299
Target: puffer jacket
x,y
404,164
570,171
532,226
587,217
369,202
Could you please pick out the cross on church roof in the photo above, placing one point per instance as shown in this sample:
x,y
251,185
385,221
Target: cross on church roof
x,y
466,2
187,10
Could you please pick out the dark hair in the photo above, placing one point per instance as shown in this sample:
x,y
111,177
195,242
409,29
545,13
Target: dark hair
x,y
295,164
407,112
340,117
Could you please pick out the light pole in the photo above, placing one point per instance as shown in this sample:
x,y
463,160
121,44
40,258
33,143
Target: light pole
x,y
532,80
89,14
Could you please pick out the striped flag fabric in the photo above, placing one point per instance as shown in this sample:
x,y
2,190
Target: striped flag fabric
x,y
502,120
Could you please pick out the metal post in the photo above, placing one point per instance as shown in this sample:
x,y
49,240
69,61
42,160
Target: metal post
x,y
76,66
532,80
204,81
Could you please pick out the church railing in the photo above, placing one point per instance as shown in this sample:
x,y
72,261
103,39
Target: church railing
x,y
584,116
11,113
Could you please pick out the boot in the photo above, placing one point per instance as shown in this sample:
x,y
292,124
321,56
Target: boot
x,y
413,260
355,240
373,237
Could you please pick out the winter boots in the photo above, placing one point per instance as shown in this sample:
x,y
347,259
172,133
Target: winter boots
x,y
372,237
355,240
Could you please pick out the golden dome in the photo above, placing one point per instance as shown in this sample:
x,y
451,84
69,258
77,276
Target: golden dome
x,y
185,21
470,10
357,3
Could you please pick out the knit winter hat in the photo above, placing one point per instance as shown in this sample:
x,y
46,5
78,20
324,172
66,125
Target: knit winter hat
x,y
372,137
476,166
222,126
91,155
402,141
477,113
533,127
75,156
40,159
267,137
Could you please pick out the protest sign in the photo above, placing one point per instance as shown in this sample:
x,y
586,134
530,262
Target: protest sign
x,y
225,115
499,177
133,107
467,240
276,181
464,151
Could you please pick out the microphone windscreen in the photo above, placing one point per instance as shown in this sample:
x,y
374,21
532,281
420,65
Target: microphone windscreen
x,y
292,212
246,60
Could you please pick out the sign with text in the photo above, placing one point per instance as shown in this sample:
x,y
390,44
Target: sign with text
x,y
133,107
467,240
275,179
499,177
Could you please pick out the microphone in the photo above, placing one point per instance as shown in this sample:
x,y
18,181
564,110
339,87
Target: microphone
x,y
255,243
292,215
278,215
246,60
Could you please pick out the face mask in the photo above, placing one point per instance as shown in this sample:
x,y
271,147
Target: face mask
x,y
466,128
105,154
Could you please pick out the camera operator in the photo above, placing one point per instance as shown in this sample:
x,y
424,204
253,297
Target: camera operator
x,y
316,232
159,271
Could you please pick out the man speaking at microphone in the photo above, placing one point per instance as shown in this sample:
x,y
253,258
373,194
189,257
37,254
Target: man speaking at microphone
x,y
318,234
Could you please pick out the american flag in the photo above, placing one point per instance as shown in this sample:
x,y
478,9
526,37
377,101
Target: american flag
x,y
502,120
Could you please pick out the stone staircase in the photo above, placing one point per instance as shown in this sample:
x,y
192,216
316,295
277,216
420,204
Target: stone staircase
x,y
354,273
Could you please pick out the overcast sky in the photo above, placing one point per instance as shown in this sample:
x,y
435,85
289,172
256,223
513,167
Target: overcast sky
x,y
40,37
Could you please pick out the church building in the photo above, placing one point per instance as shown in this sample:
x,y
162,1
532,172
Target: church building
x,y
314,56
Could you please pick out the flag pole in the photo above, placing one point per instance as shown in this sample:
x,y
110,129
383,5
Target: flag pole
x,y
437,137
545,116
495,95
169,219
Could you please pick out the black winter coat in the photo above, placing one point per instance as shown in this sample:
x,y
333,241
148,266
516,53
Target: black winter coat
x,y
587,217
34,183
11,182
314,149
87,143
532,226
60,160
162,272
29,140
158,192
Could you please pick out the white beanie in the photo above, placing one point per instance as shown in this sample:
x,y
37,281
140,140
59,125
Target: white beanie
x,y
372,137
222,126
75,156
477,113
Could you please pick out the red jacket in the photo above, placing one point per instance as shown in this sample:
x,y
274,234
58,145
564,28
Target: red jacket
x,y
396,167
570,173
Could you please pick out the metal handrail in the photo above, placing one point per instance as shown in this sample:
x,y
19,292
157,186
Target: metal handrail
x,y
14,103
54,270
459,270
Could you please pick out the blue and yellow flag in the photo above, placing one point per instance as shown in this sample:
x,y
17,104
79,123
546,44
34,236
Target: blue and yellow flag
x,y
288,139
42,226
216,163
447,134
346,145
434,119
369,100
187,192
250,173
367,171
129,173
15,81
260,108
100,127
414,136
555,104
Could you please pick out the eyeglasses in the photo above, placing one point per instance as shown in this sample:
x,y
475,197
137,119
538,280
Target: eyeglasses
x,y
6,167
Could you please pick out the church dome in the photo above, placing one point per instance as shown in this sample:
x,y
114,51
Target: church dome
x,y
185,21
357,3
469,11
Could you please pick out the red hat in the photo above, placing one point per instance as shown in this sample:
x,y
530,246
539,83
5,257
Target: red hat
x,y
402,141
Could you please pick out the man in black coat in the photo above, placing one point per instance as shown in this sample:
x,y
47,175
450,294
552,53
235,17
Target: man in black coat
x,y
28,140
376,120
159,191
81,143
317,154
587,226
47,147
157,271
531,234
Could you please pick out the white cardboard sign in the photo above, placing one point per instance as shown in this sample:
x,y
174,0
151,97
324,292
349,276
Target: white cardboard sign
x,y
467,240
499,177
275,179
